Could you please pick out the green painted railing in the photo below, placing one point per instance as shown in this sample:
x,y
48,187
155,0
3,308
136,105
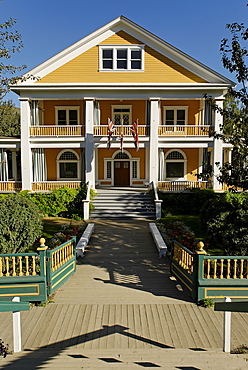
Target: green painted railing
x,y
183,267
210,277
222,276
34,276
61,264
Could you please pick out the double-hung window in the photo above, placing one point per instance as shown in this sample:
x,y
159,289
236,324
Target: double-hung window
x,y
121,58
121,114
67,115
175,118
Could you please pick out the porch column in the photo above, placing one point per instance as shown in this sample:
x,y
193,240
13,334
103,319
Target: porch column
x,y
217,147
200,160
26,155
89,141
154,122
14,165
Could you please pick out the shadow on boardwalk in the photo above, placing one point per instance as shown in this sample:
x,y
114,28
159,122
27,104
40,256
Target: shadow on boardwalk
x,y
122,254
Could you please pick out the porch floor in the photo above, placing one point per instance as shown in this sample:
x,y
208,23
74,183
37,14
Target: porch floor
x,y
123,309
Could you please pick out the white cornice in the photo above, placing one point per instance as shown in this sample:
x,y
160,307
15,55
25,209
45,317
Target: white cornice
x,y
76,86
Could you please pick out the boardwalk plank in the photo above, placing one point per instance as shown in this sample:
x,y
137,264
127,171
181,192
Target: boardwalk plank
x,y
77,330
164,327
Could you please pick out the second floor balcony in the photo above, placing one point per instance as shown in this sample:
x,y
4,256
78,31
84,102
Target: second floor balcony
x,y
126,130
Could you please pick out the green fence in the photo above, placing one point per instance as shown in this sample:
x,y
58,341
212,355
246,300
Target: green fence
x,y
61,263
34,276
184,268
210,277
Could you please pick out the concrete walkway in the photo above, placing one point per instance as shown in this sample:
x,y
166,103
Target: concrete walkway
x,y
122,309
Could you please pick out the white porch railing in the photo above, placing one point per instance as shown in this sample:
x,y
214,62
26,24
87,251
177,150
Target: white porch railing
x,y
52,185
184,185
49,130
158,202
102,130
87,202
186,130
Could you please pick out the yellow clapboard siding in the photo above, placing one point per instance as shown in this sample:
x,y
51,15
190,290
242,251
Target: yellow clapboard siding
x,y
84,68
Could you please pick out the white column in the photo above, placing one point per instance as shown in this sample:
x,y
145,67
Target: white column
x,y
217,148
14,165
154,122
26,156
89,137
200,160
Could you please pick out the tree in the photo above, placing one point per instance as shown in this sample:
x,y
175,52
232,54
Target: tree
x,y
20,224
235,110
9,119
10,43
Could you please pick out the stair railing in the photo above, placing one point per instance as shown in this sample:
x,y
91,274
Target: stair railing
x,y
87,202
158,202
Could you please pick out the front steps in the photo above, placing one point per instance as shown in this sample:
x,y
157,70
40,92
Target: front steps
x,y
123,203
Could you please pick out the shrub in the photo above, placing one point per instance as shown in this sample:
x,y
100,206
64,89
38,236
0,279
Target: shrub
x,y
20,224
180,232
188,203
65,233
62,202
226,221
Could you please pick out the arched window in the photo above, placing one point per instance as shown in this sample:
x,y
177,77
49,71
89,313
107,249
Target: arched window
x,y
68,165
121,155
175,165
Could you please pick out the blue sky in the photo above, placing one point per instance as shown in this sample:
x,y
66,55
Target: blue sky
x,y
194,26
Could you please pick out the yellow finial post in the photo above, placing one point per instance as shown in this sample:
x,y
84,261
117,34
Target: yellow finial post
x,y
200,248
42,246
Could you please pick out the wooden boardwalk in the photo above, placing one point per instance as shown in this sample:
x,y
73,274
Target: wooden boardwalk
x,y
122,299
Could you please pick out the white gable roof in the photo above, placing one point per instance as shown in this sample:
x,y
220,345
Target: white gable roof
x,y
124,24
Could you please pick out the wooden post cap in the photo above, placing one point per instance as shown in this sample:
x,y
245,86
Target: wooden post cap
x,y
42,246
200,248
42,242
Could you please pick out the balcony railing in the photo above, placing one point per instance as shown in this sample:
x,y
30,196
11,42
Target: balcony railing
x,y
52,185
186,130
57,130
10,186
183,185
102,130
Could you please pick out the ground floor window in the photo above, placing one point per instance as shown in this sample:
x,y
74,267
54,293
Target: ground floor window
x,y
175,165
68,165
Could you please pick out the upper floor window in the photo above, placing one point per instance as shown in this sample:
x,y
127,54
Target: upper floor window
x,y
67,115
121,58
175,116
121,114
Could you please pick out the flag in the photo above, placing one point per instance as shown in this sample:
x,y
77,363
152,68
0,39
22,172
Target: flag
x,y
111,129
134,131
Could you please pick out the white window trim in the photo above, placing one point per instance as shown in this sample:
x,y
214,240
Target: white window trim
x,y
122,107
176,108
58,161
129,49
173,161
67,108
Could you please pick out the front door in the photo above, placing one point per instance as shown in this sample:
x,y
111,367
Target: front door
x,y
122,173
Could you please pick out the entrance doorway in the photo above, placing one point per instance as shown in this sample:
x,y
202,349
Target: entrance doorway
x,y
122,173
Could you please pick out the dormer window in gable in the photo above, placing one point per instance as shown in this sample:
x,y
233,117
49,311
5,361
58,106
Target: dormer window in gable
x,y
121,58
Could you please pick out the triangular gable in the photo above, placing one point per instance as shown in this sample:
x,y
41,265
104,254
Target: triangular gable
x,y
163,63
